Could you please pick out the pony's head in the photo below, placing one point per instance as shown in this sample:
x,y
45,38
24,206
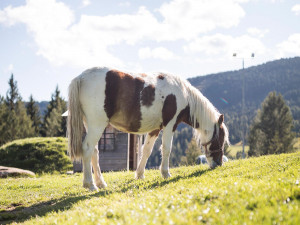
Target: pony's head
x,y
213,140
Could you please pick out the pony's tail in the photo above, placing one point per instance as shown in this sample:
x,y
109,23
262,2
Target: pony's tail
x,y
75,121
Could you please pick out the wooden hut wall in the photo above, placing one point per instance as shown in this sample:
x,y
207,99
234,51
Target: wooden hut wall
x,y
115,159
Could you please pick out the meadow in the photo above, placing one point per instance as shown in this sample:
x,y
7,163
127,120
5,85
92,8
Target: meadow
x,y
262,190
234,149
238,148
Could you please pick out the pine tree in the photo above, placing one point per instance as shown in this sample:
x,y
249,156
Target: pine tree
x,y
15,123
12,94
54,124
34,113
3,115
191,153
23,122
271,132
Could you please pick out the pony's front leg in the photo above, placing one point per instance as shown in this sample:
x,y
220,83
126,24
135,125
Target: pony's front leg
x,y
147,149
167,138
97,171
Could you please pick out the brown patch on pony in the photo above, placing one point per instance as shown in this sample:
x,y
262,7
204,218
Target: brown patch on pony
x,y
154,133
148,95
169,109
122,96
184,116
143,75
218,142
161,76
221,120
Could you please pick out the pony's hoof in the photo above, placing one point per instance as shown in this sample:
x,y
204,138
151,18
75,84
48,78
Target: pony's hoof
x,y
91,187
165,174
102,185
139,176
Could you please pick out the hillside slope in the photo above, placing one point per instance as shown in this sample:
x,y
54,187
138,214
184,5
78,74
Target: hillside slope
x,y
282,76
261,190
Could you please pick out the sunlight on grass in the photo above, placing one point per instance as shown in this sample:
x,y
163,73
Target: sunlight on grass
x,y
234,149
262,190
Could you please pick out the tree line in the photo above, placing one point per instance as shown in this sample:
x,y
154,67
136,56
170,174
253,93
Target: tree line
x,y
19,119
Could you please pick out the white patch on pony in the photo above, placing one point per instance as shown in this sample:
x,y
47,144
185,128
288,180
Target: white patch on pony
x,y
210,161
212,164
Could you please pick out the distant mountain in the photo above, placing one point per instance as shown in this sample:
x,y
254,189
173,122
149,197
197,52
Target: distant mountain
x,y
224,90
43,107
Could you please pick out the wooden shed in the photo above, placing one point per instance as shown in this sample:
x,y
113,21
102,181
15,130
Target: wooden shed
x,y
117,151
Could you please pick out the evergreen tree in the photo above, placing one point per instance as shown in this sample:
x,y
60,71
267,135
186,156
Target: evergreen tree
x,y
3,115
15,123
271,132
191,153
34,113
54,124
23,122
12,94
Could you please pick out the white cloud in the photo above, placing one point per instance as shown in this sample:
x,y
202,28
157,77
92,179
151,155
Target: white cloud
x,y
86,43
296,9
9,68
157,53
86,3
185,19
124,4
226,45
290,47
39,16
257,32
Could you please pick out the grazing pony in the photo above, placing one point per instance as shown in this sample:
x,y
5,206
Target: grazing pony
x,y
138,104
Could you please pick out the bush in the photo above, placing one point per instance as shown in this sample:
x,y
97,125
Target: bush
x,y
40,155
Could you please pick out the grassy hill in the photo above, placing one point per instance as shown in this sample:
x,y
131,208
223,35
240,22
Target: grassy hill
x,y
263,190
39,154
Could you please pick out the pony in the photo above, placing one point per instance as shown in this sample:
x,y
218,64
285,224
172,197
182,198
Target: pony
x,y
138,103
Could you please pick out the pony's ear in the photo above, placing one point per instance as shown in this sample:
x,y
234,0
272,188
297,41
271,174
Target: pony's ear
x,y
221,119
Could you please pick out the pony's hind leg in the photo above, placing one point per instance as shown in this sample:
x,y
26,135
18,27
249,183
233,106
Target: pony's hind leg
x,y
97,171
93,135
147,149
167,138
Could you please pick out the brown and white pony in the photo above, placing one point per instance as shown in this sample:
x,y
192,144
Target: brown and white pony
x,y
139,104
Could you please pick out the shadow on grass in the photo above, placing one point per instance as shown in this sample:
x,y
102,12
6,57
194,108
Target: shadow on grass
x,y
21,214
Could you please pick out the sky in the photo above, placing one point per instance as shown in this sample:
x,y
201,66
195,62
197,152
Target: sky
x,y
46,43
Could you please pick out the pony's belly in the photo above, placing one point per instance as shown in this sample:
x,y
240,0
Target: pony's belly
x,y
136,127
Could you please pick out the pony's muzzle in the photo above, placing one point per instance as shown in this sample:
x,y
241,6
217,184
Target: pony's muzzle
x,y
215,164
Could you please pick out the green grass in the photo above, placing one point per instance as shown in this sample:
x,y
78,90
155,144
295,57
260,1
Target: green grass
x,y
234,149
262,190
297,144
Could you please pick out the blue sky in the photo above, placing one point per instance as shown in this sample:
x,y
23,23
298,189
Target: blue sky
x,y
45,43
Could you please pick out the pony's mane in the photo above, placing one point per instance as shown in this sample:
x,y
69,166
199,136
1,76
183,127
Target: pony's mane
x,y
202,112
